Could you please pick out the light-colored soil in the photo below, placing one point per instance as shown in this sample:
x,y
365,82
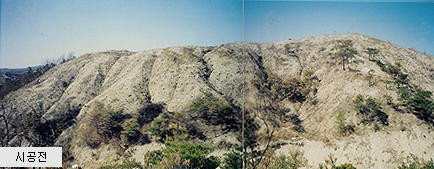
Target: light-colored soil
x,y
176,76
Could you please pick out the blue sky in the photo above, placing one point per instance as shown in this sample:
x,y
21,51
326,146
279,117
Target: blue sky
x,y
408,24
35,30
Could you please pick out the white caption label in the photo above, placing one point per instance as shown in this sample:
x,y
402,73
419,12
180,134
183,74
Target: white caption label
x,y
30,156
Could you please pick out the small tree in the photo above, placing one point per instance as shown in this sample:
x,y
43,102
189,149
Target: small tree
x,y
345,51
293,161
421,102
371,52
331,161
342,127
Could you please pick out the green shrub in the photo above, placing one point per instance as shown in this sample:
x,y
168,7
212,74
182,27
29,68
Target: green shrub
x,y
196,154
293,161
107,122
153,158
322,49
232,160
215,111
358,99
158,127
404,93
370,111
345,166
422,103
401,79
127,164
331,162
342,127
131,132
375,126
417,163
416,99
372,52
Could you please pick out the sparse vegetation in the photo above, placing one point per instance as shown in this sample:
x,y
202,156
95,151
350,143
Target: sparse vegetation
x,y
342,126
106,124
190,155
294,89
416,99
345,51
372,52
370,111
322,49
422,103
127,164
30,75
331,162
417,163
157,129
207,110
293,161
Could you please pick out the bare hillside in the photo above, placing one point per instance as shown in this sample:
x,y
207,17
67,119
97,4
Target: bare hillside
x,y
298,87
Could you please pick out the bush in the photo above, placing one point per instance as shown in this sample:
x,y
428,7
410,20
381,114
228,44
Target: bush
x,y
107,121
127,164
195,154
294,119
153,158
417,163
130,131
232,160
404,93
370,111
293,161
343,128
331,161
422,103
215,111
296,90
371,52
158,127
345,166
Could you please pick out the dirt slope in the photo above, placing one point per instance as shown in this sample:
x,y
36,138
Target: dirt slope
x,y
175,77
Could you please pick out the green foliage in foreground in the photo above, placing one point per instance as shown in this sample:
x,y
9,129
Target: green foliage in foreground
x,y
195,154
127,164
232,160
417,163
293,161
331,162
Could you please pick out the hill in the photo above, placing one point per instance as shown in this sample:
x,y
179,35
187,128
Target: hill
x,y
350,95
